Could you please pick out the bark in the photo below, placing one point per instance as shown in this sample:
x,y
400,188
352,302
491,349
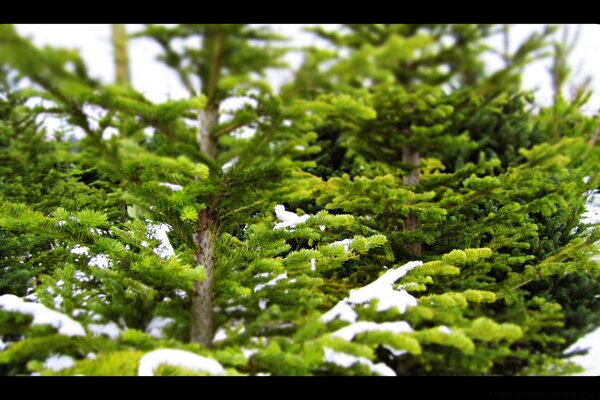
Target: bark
x,y
119,37
411,156
202,318
209,119
202,321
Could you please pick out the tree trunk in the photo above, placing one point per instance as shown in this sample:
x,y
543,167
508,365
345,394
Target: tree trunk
x,y
119,37
411,156
202,318
122,78
202,321
209,119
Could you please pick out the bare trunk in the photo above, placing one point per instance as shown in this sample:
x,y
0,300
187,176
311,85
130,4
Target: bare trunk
x,y
119,37
411,156
122,78
209,119
202,321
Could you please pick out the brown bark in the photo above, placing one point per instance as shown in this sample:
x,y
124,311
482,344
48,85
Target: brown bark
x,y
411,156
202,317
202,321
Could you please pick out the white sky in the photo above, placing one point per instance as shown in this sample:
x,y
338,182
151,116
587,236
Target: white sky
x,y
158,83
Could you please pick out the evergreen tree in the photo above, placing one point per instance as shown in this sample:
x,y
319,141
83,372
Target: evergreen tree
x,y
440,234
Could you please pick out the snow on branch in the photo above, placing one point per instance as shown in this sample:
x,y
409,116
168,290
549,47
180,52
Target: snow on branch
x,y
179,358
42,315
288,219
382,290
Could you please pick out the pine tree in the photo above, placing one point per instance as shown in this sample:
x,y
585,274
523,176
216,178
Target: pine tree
x,y
440,235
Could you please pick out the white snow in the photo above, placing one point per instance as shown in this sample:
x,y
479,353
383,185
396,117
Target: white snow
x,y
349,332
156,327
313,264
100,261
181,294
220,335
58,362
4,345
342,310
236,308
227,166
346,243
173,186
42,315
445,329
395,352
58,300
272,282
180,358
91,356
345,360
77,249
111,330
159,232
262,304
262,275
288,219
249,352
382,289
592,209
81,277
590,361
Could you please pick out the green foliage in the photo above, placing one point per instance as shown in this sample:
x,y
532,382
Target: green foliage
x,y
395,145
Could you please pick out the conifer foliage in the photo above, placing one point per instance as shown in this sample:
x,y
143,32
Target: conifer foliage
x,y
395,209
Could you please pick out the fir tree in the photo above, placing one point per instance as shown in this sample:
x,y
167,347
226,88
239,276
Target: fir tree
x,y
440,235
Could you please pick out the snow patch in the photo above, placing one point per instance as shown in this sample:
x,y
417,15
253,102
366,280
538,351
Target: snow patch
x,y
395,352
227,166
156,327
262,304
42,315
180,358
313,264
349,332
346,243
345,360
77,249
445,329
220,335
159,232
382,289
590,361
272,282
100,261
111,330
248,353
341,310
173,186
58,362
288,219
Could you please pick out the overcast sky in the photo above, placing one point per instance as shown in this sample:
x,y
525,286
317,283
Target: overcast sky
x,y
158,83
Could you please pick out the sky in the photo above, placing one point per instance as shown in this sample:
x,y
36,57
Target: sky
x,y
158,83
